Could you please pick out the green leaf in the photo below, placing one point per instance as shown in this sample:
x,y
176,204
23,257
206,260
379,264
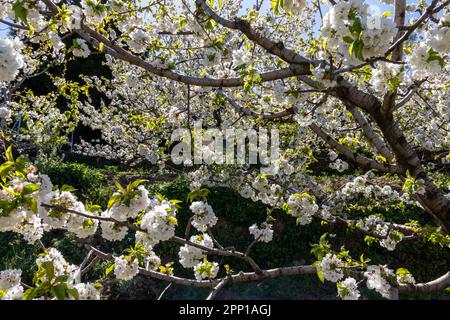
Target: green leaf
x,y
30,294
434,56
9,155
355,49
109,269
402,271
119,186
172,220
277,5
348,39
32,203
74,293
49,269
320,275
114,198
68,188
93,208
136,183
20,11
5,168
30,188
59,291
356,28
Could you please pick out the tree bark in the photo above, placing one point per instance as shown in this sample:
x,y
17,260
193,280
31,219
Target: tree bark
x,y
434,200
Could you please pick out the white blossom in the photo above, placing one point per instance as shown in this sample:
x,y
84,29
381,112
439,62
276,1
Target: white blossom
x,y
348,289
9,278
204,216
11,59
377,280
263,233
125,269
331,267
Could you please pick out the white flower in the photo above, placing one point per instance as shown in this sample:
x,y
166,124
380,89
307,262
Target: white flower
x,y
81,48
331,267
405,279
124,269
122,212
376,280
60,265
74,21
438,40
11,60
377,34
420,63
94,11
204,216
264,233
87,291
339,165
14,293
384,74
83,227
5,113
31,228
241,57
206,270
247,192
55,218
190,256
212,56
332,155
146,240
320,73
152,261
348,289
294,6
390,242
9,278
139,41
303,207
56,42
160,221
112,231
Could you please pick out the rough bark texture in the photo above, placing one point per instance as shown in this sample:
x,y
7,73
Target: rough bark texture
x,y
434,200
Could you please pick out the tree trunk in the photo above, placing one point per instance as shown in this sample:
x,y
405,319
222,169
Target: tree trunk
x,y
434,200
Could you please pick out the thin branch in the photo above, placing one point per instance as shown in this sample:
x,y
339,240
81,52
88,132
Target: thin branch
x,y
164,291
370,134
412,90
276,48
236,278
211,251
361,161
222,284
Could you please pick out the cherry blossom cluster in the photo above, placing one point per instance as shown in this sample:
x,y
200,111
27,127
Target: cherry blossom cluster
x,y
350,24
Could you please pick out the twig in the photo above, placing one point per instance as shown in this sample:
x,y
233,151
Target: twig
x,y
164,291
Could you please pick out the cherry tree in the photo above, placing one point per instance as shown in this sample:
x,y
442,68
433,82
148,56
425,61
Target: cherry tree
x,y
367,88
